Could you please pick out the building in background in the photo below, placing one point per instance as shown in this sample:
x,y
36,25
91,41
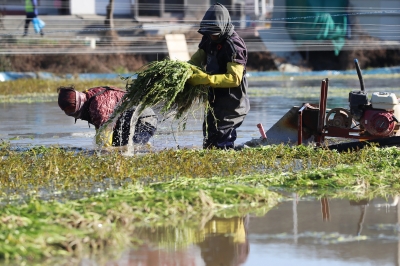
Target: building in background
x,y
253,13
46,7
145,9
69,7
195,9
328,25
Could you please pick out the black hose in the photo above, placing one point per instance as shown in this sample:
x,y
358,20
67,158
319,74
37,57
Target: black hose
x,y
359,74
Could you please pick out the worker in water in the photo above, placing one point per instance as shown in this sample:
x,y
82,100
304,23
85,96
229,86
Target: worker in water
x,y
96,105
222,57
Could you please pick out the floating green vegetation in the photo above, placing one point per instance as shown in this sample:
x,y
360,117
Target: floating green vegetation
x,y
298,93
37,229
29,98
276,165
334,75
39,90
43,90
165,187
310,92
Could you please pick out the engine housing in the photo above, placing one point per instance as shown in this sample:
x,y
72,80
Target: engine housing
x,y
378,122
358,101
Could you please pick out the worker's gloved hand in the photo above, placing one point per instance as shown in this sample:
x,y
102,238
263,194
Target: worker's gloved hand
x,y
104,138
198,77
230,79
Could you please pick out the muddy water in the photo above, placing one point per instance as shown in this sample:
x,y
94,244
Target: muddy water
x,y
45,124
295,232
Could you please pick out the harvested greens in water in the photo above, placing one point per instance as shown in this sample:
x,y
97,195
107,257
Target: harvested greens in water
x,y
163,84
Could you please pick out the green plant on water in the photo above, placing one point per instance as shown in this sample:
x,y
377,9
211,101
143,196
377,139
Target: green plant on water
x,y
275,165
165,187
34,87
38,90
109,219
121,70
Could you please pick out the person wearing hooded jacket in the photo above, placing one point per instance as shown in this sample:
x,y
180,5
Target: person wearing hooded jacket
x,y
96,105
222,54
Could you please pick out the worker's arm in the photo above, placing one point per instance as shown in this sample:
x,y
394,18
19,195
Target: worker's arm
x,y
232,77
198,58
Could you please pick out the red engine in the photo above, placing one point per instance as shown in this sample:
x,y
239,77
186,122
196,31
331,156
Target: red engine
x,y
378,122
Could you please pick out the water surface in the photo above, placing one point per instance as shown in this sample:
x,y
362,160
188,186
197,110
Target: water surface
x,y
301,231
45,124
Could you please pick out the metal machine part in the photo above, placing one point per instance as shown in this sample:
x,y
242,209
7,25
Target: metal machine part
x,y
378,122
358,101
339,117
369,121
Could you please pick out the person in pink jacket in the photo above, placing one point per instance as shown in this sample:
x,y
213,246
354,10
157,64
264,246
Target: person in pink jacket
x,y
96,105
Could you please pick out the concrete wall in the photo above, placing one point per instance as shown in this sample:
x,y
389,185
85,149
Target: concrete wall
x,y
98,7
121,7
49,7
382,26
195,9
79,7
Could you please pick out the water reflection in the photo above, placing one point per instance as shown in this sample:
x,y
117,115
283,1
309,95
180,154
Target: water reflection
x,y
220,241
303,231
226,242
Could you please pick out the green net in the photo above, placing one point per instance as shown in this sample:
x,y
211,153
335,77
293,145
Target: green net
x,y
318,20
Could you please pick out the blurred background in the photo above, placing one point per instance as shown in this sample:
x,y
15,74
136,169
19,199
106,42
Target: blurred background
x,y
103,36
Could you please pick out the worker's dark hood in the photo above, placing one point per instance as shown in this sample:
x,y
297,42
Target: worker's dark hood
x,y
217,20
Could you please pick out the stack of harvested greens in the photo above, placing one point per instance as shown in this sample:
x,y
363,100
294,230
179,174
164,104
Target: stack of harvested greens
x,y
162,84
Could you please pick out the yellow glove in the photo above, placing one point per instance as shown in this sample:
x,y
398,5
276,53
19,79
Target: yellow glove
x,y
198,77
232,78
104,137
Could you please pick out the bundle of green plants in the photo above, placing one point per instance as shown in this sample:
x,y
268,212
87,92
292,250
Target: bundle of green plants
x,y
162,84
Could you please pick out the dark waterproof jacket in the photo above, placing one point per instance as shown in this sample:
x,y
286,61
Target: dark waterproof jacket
x,y
230,105
101,102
